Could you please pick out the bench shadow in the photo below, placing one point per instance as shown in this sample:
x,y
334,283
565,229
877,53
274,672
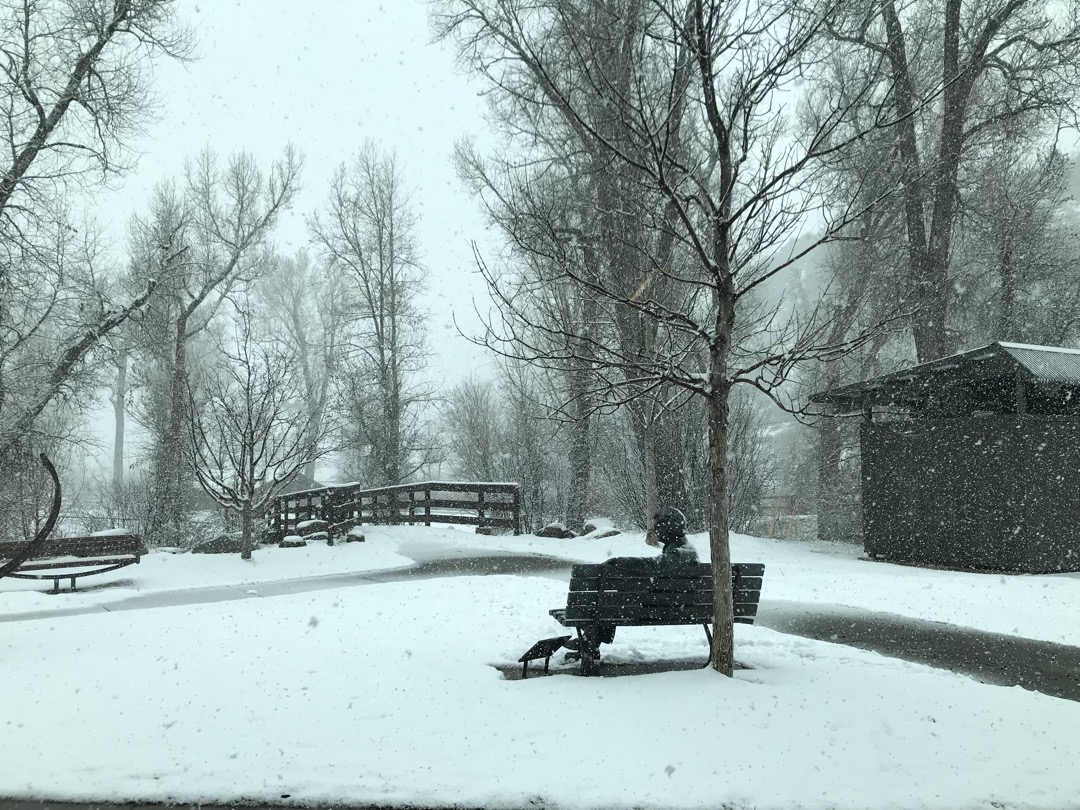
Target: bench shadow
x,y
97,586
616,669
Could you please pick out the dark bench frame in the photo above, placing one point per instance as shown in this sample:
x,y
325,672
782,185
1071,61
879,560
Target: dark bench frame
x,y
96,554
603,594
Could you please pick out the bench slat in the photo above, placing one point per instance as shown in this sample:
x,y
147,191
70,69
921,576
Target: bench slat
x,y
639,598
629,615
748,569
639,583
653,621
747,588
57,564
692,570
103,546
617,598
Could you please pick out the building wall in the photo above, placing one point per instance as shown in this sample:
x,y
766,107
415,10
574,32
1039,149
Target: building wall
x,y
995,492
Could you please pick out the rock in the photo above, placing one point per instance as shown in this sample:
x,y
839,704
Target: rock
x,y
605,533
228,543
486,530
292,541
597,524
306,528
355,535
556,530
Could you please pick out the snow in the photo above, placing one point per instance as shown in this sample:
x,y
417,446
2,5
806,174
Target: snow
x,y
600,524
388,693
1058,349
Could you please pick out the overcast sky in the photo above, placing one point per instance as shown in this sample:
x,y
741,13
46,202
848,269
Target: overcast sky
x,y
325,75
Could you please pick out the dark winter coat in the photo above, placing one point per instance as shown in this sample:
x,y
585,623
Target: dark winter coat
x,y
676,551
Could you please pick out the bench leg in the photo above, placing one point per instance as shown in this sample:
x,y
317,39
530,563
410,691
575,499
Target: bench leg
x,y
590,652
708,635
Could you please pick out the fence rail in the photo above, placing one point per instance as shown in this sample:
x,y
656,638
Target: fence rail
x,y
494,505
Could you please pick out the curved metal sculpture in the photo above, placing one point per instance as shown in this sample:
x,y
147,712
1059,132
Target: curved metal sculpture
x,y
44,532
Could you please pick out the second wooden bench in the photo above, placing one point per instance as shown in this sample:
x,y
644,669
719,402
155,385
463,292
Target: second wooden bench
x,y
73,557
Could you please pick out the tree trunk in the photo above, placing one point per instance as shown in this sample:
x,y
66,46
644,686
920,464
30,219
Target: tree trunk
x,y
119,415
648,463
167,507
1006,317
723,648
580,461
246,542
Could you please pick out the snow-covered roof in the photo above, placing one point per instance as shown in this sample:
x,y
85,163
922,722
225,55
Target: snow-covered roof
x,y
1046,363
981,379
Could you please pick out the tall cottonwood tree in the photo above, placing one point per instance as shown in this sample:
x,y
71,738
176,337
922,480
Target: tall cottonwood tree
x,y
366,232
734,202
222,217
307,305
1015,264
956,75
577,215
546,223
73,92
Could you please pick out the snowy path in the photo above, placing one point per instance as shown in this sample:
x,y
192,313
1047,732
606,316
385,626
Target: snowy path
x,y
991,658
483,565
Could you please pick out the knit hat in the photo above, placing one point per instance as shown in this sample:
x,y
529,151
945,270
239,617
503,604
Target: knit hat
x,y
670,524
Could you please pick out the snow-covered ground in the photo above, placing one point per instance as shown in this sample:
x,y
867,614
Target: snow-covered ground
x,y
389,693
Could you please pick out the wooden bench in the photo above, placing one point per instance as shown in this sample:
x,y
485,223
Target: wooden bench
x,y
605,594
72,557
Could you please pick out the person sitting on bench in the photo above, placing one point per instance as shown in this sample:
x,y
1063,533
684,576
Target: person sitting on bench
x,y
669,530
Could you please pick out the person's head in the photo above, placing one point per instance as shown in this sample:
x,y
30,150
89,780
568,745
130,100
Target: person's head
x,y
670,524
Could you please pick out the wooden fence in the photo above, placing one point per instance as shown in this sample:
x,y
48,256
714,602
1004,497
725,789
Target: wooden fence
x,y
493,505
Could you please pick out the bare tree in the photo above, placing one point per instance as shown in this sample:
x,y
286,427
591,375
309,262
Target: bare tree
x,y
42,534
473,414
72,93
222,219
577,214
1014,269
307,305
735,202
533,444
249,426
498,431
989,65
367,233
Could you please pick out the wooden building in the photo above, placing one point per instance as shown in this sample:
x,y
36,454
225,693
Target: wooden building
x,y
972,461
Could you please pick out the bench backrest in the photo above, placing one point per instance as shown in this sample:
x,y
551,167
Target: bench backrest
x,y
100,545
675,595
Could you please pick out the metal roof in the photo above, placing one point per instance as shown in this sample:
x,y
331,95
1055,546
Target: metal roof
x,y
995,363
1046,363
